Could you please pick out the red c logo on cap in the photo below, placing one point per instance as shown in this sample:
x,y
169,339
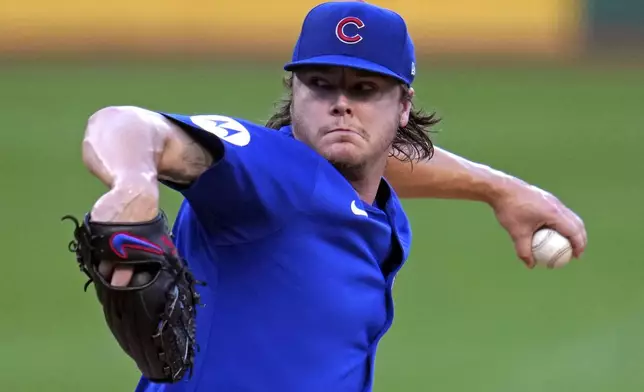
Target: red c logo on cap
x,y
339,30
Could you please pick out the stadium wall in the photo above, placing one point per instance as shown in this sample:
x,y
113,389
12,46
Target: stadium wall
x,y
615,25
543,27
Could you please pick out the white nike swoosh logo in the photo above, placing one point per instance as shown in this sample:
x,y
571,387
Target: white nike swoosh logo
x,y
356,210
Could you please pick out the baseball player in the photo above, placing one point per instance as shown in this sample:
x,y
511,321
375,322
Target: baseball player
x,y
277,274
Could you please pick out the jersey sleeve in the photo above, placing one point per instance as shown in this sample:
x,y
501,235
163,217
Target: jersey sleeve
x,y
260,178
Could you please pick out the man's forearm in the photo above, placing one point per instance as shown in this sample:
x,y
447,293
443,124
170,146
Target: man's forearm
x,y
448,176
129,149
122,152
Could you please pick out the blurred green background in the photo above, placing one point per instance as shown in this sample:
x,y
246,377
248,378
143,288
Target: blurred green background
x,y
469,316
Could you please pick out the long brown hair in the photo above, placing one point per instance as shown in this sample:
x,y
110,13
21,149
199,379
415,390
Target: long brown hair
x,y
411,143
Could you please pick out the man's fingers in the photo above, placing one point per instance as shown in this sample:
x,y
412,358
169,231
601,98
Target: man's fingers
x,y
119,276
105,268
578,245
573,229
523,247
585,239
122,275
584,236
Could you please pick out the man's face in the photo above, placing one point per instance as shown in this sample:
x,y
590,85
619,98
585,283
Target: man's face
x,y
349,116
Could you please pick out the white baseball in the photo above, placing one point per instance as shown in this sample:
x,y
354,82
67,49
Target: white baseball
x,y
551,249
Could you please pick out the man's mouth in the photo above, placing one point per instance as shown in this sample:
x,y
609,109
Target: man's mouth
x,y
343,130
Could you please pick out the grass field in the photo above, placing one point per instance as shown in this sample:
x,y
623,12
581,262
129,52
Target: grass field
x,y
469,316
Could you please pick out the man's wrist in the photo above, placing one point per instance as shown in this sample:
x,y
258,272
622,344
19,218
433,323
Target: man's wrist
x,y
128,202
501,188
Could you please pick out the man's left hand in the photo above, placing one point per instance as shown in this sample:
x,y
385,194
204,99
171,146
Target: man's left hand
x,y
526,209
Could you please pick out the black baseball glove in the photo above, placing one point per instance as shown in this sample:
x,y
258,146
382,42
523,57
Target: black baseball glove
x,y
153,318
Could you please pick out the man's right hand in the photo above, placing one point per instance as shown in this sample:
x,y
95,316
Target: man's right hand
x,y
121,148
126,204
129,149
153,319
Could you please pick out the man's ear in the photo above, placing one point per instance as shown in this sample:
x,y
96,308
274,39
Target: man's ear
x,y
406,108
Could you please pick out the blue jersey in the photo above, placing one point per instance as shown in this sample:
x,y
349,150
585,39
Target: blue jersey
x,y
298,269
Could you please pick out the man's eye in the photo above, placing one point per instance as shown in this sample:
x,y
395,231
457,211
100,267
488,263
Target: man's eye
x,y
321,83
364,88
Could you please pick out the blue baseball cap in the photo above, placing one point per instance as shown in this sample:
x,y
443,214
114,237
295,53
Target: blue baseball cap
x,y
356,35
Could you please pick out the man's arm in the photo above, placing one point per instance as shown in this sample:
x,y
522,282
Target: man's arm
x,y
520,208
129,149
448,176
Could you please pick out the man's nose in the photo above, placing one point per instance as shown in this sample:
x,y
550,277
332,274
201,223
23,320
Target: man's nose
x,y
341,106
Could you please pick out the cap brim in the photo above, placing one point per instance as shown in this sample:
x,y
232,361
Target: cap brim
x,y
344,61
